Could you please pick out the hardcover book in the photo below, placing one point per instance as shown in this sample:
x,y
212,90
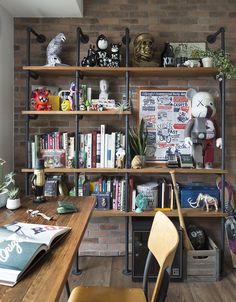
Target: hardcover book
x,y
22,245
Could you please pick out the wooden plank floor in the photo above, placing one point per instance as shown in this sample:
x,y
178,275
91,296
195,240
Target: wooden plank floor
x,y
107,271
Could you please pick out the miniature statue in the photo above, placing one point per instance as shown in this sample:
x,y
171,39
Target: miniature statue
x,y
102,55
39,99
91,59
143,48
71,96
209,201
103,95
65,105
115,54
202,129
120,155
141,202
54,49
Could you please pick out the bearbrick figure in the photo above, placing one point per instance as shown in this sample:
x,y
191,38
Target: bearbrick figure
x,y
102,55
115,54
39,99
201,130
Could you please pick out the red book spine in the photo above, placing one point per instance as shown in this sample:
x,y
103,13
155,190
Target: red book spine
x,y
94,148
131,187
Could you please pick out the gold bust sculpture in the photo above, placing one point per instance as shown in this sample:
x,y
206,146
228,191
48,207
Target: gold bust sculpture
x,y
143,49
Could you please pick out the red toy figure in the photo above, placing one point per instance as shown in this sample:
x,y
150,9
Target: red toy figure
x,y
40,99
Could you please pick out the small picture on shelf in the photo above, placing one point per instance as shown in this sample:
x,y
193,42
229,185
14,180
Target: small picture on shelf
x,y
184,51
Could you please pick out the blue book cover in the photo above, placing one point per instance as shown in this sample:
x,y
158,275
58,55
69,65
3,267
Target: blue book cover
x,y
22,245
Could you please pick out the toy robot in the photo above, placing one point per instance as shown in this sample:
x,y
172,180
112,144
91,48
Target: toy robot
x,y
201,130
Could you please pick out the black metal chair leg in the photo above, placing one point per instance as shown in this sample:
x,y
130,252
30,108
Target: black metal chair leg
x,y
76,271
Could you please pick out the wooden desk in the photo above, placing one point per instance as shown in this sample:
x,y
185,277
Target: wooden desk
x,y
46,280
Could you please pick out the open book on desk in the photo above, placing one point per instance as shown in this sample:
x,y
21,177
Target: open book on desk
x,y
22,245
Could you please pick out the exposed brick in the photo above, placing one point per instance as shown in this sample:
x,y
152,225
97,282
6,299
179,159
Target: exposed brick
x,y
166,21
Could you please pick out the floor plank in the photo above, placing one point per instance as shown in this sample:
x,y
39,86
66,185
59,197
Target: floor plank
x,y
107,271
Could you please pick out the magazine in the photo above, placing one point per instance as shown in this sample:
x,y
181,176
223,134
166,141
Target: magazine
x,y
22,245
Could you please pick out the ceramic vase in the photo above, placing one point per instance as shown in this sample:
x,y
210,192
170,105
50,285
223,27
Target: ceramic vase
x,y
138,162
13,204
207,62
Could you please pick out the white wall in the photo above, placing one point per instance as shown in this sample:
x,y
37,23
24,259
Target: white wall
x,y
6,88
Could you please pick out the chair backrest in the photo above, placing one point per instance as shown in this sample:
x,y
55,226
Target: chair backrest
x,y
162,242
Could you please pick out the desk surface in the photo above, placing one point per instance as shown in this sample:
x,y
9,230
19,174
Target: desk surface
x,y
46,280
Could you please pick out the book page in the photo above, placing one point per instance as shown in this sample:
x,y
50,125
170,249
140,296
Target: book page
x,y
37,232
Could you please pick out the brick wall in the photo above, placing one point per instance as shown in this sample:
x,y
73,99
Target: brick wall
x,y
166,20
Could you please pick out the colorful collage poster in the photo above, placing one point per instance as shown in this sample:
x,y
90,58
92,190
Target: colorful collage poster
x,y
166,113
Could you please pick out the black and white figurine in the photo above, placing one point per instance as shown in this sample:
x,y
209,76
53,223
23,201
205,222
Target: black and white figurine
x,y
102,55
115,54
54,49
91,59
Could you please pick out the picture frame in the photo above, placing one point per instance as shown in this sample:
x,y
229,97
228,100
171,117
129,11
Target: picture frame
x,y
188,47
166,112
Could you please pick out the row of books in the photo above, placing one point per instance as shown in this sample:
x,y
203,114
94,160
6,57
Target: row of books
x,y
96,149
112,189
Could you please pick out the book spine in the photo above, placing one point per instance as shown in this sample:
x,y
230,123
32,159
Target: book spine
x,y
98,151
94,149
113,149
106,150
89,151
102,146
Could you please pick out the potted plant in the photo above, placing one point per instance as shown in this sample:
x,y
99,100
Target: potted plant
x,y
4,187
138,140
219,59
13,200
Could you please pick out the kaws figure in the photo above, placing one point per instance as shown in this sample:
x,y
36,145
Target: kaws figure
x,y
115,54
201,130
39,99
71,96
102,55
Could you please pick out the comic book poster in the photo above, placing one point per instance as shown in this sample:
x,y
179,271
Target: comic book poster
x,y
166,113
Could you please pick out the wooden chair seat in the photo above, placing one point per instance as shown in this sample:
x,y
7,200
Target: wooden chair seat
x,y
102,294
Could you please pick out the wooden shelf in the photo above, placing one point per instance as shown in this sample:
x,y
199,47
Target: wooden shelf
x,y
173,213
153,170
120,71
107,112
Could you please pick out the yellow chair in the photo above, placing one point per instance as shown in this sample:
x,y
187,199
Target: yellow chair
x,y
162,243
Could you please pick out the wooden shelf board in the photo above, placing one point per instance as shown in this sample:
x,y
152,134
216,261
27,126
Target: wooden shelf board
x,y
107,112
152,170
120,71
173,213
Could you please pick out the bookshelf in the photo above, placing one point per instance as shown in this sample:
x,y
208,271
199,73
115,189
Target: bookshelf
x,y
125,73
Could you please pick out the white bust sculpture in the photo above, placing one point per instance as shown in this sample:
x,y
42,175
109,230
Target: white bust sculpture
x,y
103,95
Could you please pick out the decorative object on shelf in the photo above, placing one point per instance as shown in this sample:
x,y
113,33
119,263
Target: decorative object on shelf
x,y
71,96
115,54
5,185
13,200
54,50
138,140
38,181
208,202
197,237
103,95
65,207
141,202
184,51
66,105
120,155
91,59
102,54
143,50
166,113
168,57
202,129
220,60
40,100
192,63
